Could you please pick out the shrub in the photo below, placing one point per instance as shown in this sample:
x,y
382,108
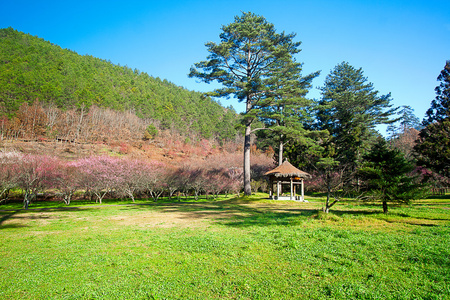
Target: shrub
x,y
151,132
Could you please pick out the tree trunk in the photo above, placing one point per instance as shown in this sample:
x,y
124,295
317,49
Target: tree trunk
x,y
280,154
77,135
247,177
327,203
385,207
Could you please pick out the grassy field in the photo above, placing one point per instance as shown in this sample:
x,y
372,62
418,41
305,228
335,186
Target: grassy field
x,y
229,249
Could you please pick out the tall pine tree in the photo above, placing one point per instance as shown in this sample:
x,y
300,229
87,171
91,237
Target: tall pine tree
x,y
350,109
286,115
250,58
433,146
440,106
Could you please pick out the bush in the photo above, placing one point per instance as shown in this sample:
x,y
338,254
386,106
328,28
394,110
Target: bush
x,y
151,132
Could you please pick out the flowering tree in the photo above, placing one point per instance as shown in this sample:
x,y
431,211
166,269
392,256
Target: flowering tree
x,y
100,174
36,173
234,180
172,181
154,182
217,182
8,175
69,180
197,180
133,176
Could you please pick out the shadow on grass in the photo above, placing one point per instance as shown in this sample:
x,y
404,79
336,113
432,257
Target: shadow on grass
x,y
7,216
29,214
239,212
245,213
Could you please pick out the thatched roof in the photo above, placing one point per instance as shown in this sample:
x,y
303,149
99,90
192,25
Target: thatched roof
x,y
288,170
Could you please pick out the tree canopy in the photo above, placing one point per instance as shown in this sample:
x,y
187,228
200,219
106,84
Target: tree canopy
x,y
433,146
250,61
386,174
440,106
349,110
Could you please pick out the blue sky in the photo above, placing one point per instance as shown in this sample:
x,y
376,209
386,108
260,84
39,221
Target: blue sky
x,y
401,45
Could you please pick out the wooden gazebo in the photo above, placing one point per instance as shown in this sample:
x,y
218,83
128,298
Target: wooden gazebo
x,y
286,174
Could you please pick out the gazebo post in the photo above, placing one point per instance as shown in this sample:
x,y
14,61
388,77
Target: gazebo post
x,y
278,189
303,192
292,187
270,188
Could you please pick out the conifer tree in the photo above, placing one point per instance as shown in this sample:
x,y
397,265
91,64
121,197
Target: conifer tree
x,y
440,106
286,115
249,60
349,110
433,146
386,176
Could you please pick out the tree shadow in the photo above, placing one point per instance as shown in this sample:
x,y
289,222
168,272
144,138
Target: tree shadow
x,y
7,216
240,215
28,214
233,213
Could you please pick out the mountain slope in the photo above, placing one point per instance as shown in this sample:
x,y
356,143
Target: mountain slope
x,y
33,69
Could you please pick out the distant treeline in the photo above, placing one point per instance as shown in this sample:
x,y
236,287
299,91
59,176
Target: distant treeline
x,y
33,70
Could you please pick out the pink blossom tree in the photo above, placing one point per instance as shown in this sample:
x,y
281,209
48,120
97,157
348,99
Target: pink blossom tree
x,y
8,174
36,173
69,180
133,176
171,181
234,180
217,182
100,174
154,182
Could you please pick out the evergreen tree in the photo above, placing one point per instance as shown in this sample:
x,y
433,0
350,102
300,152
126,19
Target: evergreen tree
x,y
248,61
386,175
440,106
407,120
433,147
286,115
405,131
349,109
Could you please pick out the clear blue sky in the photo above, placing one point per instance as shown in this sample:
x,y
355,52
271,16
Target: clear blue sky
x,y
401,45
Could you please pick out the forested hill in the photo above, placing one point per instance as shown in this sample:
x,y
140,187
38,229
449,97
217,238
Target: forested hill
x,y
34,69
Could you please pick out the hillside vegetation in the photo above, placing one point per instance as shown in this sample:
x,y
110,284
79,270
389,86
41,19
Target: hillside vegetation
x,y
34,70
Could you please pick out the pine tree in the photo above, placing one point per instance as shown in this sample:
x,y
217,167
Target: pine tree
x,y
286,115
349,109
250,58
386,176
440,106
433,146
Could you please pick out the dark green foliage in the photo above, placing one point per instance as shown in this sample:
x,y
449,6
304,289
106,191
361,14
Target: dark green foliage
x,y
386,173
433,147
346,117
350,109
33,69
440,106
288,110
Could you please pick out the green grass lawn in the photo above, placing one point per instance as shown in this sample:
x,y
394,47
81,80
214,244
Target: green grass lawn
x,y
230,249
